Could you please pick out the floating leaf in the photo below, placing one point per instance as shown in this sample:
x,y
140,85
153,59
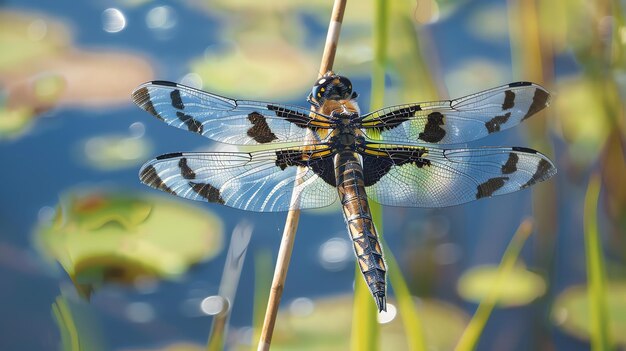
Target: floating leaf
x,y
178,346
112,152
476,73
14,122
43,68
571,311
582,120
490,23
250,71
332,319
520,287
27,37
102,237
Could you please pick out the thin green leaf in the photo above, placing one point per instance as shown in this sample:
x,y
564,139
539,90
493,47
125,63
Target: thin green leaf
x,y
413,327
596,274
365,327
365,333
472,333
262,279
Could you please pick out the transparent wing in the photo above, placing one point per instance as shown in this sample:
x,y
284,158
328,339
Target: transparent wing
x,y
460,120
226,120
434,177
260,181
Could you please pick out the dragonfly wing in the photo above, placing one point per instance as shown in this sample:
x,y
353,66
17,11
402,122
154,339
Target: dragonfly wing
x,y
460,120
262,181
226,120
433,177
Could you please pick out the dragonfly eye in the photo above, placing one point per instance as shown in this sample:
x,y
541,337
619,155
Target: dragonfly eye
x,y
331,87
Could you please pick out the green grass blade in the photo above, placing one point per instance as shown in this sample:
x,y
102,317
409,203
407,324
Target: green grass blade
x,y
365,328
69,332
365,333
474,329
413,327
262,282
77,326
596,278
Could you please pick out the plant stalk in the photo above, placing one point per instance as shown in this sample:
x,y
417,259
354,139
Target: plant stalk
x,y
291,222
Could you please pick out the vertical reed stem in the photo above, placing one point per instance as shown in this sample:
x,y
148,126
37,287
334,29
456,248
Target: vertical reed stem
x,y
291,223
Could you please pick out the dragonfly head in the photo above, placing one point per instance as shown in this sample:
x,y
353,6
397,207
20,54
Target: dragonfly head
x,y
331,87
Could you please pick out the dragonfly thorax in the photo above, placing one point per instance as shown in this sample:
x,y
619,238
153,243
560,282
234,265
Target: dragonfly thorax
x,y
346,134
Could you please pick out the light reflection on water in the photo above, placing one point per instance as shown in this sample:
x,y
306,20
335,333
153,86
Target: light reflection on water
x,y
113,20
46,170
161,18
140,312
389,315
213,305
37,30
335,254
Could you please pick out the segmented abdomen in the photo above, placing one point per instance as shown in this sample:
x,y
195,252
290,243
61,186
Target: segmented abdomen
x,y
356,211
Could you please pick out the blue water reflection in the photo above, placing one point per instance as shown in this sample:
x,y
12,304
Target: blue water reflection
x,y
434,245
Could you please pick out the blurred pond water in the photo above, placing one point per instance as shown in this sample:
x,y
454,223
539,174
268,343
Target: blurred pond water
x,y
75,220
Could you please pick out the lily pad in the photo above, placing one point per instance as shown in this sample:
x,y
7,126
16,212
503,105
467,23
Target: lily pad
x,y
14,122
178,346
250,71
518,288
100,237
327,326
490,23
27,37
571,311
40,68
476,73
111,152
584,125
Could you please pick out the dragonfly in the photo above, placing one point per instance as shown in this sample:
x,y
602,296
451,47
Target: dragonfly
x,y
395,156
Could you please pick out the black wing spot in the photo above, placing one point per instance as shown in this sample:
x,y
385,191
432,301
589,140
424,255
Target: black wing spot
x,y
285,158
164,82
150,177
524,149
543,171
193,125
260,130
297,118
323,167
207,191
487,188
170,155
509,100
141,97
519,84
540,100
150,108
185,170
511,164
394,118
433,132
374,168
177,101
493,125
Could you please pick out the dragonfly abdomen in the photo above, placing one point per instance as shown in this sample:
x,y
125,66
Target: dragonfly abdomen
x,y
356,211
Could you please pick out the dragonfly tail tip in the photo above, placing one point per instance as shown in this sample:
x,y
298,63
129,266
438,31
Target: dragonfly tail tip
x,y
381,302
